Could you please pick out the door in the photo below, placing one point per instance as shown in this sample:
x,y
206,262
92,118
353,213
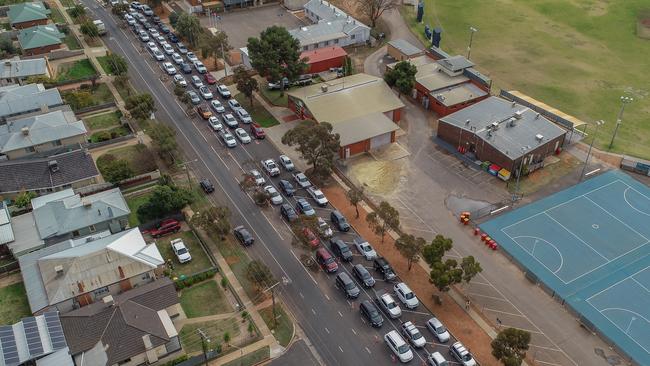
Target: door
x,y
379,141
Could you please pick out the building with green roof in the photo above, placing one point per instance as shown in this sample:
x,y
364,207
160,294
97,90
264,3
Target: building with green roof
x,y
27,15
40,39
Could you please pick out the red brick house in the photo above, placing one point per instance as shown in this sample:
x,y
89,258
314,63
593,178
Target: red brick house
x,y
28,14
40,39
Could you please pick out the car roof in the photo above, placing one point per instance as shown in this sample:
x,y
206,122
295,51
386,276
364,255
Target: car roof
x,y
386,297
403,286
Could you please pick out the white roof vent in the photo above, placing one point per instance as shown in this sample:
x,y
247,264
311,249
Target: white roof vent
x,y
537,116
58,269
539,137
514,104
108,300
323,88
519,114
25,131
495,126
512,122
467,121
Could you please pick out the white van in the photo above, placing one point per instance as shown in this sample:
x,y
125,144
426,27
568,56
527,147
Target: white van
x,y
398,346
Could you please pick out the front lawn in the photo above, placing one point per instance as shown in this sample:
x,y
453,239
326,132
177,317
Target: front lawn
x,y
57,16
68,3
113,133
88,96
103,120
81,69
135,201
275,97
258,112
214,330
204,299
13,304
199,262
284,330
71,41
139,157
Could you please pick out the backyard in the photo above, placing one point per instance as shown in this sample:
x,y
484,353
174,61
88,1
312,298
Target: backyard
x,y
577,56
258,112
139,157
13,304
199,262
103,120
206,298
214,330
135,201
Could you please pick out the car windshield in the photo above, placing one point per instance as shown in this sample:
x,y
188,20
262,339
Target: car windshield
x,y
181,251
467,357
243,113
366,248
441,329
408,295
345,249
302,178
229,137
319,195
390,304
365,275
373,313
329,260
416,335
403,348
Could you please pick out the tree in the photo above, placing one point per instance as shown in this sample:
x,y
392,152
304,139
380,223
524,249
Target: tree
x,y
214,220
114,170
164,137
259,274
164,200
246,84
121,8
276,54
410,247
434,252
79,99
89,29
226,338
402,76
470,268
355,196
140,106
214,45
316,144
188,27
24,199
384,218
247,183
510,346
78,11
445,274
173,19
374,9
7,47
117,64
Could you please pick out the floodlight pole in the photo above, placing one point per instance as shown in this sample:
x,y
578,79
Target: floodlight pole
x,y
598,124
472,30
624,100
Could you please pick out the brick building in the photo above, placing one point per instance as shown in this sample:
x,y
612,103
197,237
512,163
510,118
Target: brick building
x,y
323,59
40,39
27,15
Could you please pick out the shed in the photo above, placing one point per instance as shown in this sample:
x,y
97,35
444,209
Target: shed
x,y
323,59
401,49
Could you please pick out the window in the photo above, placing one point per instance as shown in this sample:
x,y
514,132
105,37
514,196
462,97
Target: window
x,y
336,41
101,292
75,233
305,48
30,149
146,276
353,36
57,143
92,228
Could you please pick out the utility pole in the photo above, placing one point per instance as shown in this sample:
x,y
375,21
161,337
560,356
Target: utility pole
x,y
472,30
598,124
624,100
184,165
272,289
204,344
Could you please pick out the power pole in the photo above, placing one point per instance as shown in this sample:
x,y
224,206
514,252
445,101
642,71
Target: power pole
x,y
272,289
204,344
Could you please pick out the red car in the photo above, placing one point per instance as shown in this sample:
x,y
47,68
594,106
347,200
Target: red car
x,y
210,79
166,227
310,237
257,131
326,261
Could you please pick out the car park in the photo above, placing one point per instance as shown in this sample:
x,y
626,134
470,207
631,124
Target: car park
x,y
362,274
244,237
340,249
166,227
382,266
257,131
217,106
192,57
209,79
257,177
200,68
436,359
215,124
233,103
169,68
194,98
324,228
223,90
406,295
271,167
227,138
347,286
274,196
204,111
181,48
286,163
206,185
325,260
389,306
186,68
169,50
413,335
438,330
286,187
196,81
364,248
243,115
288,212
370,312
180,250
398,346
173,39
230,120
206,93
339,221
158,55
304,207
144,37
318,196
177,58
242,136
302,180
461,354
165,29
310,237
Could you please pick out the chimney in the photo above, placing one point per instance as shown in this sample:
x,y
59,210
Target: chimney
x,y
45,108
25,131
108,300
539,137
53,165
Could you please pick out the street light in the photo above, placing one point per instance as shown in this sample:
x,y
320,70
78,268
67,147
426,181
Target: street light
x,y
598,124
624,100
472,30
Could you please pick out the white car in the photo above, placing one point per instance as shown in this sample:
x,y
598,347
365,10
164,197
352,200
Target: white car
x,y
153,33
244,116
230,120
259,179
324,228
302,180
318,196
169,68
242,136
388,305
151,46
233,103
181,251
462,354
178,59
223,90
200,68
196,81
217,106
228,139
286,163
144,37
398,346
158,55
180,80
169,50
129,19
406,295
192,57
205,93
413,334
276,198
160,39
215,124
364,248
271,167
438,330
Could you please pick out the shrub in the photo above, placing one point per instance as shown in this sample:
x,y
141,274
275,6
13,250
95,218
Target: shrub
x,y
194,279
177,360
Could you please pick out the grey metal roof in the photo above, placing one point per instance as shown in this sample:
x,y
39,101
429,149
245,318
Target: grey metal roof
x,y
325,31
363,128
512,141
16,99
405,47
26,236
59,358
324,10
6,229
65,215
456,63
33,174
458,94
39,129
32,338
17,68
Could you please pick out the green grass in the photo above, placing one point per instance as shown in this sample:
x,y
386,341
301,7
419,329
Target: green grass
x,y
71,41
68,3
103,120
57,16
214,330
199,260
252,358
13,304
258,112
284,330
204,299
579,56
76,70
275,97
134,202
139,157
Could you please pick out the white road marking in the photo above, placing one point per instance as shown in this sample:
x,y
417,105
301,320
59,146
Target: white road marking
x,y
303,267
503,312
341,349
327,330
301,295
327,297
273,226
341,315
367,350
353,331
313,311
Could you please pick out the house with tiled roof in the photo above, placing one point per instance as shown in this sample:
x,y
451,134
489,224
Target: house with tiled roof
x,y
40,39
27,15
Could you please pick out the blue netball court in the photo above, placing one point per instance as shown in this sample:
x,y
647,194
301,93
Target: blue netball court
x,y
590,244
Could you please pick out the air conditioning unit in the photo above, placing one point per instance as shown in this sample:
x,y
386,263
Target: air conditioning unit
x,y
512,122
519,114
539,137
323,88
495,126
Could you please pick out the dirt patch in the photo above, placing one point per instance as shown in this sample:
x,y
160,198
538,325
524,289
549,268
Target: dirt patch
x,y
232,260
377,176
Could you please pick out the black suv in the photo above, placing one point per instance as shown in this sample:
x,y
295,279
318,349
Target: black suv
x,y
288,212
339,221
362,274
207,186
369,311
383,267
345,284
341,249
286,187
243,236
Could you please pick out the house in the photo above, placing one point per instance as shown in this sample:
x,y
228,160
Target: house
x,y
27,15
504,133
442,86
35,340
133,328
362,109
77,272
341,32
323,59
72,169
402,50
41,133
16,71
6,229
40,39
320,10
21,99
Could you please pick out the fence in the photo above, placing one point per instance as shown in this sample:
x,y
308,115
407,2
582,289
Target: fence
x,y
96,145
9,267
94,108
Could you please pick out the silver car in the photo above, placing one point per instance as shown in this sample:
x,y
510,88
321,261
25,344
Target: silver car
x,y
214,123
158,55
217,106
206,93
275,197
178,59
192,57
169,68
364,248
230,120
438,330
223,90
228,139
242,136
286,163
196,81
244,116
389,306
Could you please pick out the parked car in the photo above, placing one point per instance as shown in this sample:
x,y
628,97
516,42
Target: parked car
x,y
340,249
324,228
194,98
169,68
286,163
230,120
244,237
157,55
204,111
257,131
200,68
398,346
461,354
304,207
181,48
166,227
227,138
223,90
406,295
156,20
144,37
286,187
274,196
206,93
158,38
257,177
177,58
288,212
302,180
129,19
370,312
151,46
382,266
347,286
310,237
413,334
339,221
364,248
146,10
318,196
192,57
242,136
215,124
169,50
243,115
233,103
196,81
206,185
326,260
436,359
153,33
180,250
438,330
362,274
209,79
165,29
217,106
136,5
173,38
186,68
271,167
389,306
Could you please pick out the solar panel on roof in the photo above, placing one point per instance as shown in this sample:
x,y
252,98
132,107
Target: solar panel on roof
x,y
9,350
33,336
55,330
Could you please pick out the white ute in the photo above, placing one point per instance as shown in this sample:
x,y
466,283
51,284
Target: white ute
x,y
181,251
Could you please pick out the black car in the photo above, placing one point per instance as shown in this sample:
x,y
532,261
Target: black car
x,y
340,249
165,29
339,221
186,68
286,187
288,212
207,186
156,20
383,267
362,274
243,236
371,313
172,38
347,286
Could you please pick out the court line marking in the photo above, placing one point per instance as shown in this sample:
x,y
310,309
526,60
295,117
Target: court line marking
x,y
640,284
619,220
503,312
633,339
532,253
616,283
629,204
576,236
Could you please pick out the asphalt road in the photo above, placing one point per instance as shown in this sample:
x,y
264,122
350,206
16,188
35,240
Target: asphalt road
x,y
331,322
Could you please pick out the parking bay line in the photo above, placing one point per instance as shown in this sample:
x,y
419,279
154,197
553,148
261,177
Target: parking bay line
x,y
415,312
504,312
